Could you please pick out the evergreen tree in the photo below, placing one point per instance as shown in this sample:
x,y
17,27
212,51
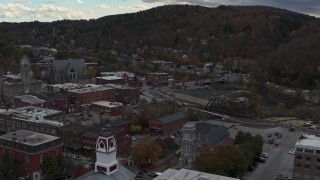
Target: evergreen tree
x,y
8,168
50,166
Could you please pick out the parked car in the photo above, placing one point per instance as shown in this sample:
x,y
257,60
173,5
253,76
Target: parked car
x,y
264,155
292,152
270,135
261,159
76,157
133,138
139,174
154,174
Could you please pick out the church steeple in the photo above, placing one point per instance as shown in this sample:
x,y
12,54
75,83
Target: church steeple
x,y
25,69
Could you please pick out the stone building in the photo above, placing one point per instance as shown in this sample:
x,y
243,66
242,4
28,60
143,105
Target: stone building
x,y
188,145
15,85
70,70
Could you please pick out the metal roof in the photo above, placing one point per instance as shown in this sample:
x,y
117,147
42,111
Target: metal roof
x,y
172,117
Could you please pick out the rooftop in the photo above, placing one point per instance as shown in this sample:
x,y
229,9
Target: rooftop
x,y
307,140
30,99
107,104
185,174
66,86
118,73
121,174
90,89
35,114
109,78
33,110
120,86
28,137
210,134
172,117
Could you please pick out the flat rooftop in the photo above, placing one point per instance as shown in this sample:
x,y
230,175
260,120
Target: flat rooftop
x,y
66,86
110,78
30,99
107,104
36,115
33,110
28,137
119,86
307,140
90,89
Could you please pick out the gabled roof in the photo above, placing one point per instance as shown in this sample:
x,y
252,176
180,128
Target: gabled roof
x,y
62,66
121,174
210,134
185,174
172,117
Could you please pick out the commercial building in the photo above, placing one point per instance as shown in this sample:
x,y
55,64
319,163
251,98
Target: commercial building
x,y
110,80
82,138
32,118
113,108
88,95
168,124
158,79
109,92
125,94
307,157
28,149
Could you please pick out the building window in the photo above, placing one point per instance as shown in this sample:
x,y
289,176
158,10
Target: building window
x,y
298,165
317,151
309,151
299,149
318,167
308,158
40,159
298,157
306,166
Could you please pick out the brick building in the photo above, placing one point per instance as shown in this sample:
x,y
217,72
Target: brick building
x,y
167,125
58,101
91,94
158,79
307,158
28,149
32,118
112,108
83,138
125,94
110,80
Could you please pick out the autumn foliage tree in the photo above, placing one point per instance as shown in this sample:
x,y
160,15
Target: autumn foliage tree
x,y
222,160
146,154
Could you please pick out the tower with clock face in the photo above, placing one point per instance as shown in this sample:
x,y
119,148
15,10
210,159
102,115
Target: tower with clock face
x,y
106,152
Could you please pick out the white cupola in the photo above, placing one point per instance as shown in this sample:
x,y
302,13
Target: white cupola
x,y
106,152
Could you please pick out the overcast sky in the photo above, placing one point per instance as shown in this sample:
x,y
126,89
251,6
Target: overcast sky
x,y
51,10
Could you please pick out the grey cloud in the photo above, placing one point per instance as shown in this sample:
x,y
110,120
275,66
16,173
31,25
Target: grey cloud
x,y
302,6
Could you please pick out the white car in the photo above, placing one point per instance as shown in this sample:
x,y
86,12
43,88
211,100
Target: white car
x,y
292,152
133,138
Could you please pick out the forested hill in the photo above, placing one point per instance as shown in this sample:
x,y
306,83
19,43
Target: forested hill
x,y
226,31
230,31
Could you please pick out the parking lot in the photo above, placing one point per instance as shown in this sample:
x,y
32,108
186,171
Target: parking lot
x,y
279,160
